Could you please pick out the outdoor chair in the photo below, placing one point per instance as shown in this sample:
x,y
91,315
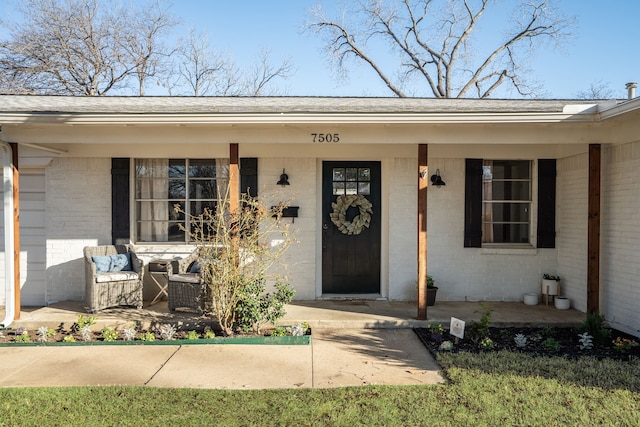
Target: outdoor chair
x,y
186,288
113,276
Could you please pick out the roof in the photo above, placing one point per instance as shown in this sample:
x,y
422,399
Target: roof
x,y
206,110
180,105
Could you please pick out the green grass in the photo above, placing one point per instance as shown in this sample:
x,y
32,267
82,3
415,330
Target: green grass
x,y
494,388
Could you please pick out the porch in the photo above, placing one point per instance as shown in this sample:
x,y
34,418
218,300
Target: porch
x,y
320,314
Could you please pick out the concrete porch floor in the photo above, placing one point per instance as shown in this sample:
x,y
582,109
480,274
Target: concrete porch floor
x,y
322,314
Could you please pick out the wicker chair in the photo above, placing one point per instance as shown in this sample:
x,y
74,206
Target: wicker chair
x,y
109,289
186,289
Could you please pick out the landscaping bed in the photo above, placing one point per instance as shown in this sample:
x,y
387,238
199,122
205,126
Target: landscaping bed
x,y
540,341
82,333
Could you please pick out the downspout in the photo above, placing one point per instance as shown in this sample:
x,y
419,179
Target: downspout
x,y
7,170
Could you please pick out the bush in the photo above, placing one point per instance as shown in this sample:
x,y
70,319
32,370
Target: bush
x,y
238,251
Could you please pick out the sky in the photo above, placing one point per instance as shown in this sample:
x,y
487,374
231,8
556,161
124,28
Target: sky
x,y
602,50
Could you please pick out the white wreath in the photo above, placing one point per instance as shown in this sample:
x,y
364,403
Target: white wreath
x,y
339,217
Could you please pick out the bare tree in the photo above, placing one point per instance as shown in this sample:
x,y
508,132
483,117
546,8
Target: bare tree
x,y
206,72
196,65
597,90
433,44
82,47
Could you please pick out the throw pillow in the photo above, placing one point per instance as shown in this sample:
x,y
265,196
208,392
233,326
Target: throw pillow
x,y
103,263
195,267
120,262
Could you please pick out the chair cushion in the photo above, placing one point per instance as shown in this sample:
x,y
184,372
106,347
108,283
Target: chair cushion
x,y
116,276
109,263
185,278
195,267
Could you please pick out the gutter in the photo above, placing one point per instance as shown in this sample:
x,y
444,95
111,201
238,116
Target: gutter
x,y
7,169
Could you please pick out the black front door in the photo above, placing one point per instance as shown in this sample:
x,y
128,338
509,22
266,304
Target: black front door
x,y
351,227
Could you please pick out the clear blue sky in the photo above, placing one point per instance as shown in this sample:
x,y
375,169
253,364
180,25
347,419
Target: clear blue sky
x,y
604,46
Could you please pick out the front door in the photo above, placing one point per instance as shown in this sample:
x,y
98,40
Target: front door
x,y
350,227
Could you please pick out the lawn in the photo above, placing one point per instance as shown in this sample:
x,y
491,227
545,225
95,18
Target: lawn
x,y
492,388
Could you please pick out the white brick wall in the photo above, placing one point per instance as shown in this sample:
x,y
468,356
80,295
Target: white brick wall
x,y
78,203
301,257
403,220
571,224
474,274
620,237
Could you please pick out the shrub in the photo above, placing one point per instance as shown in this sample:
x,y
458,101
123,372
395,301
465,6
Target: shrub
x,y
238,250
478,330
595,325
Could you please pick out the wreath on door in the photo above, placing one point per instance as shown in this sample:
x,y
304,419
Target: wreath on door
x,y
339,214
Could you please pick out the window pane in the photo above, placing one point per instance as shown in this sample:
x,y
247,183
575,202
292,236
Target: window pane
x,y
352,174
177,189
202,168
364,188
511,169
198,207
509,190
203,189
364,174
177,168
338,188
339,174
352,188
508,212
508,233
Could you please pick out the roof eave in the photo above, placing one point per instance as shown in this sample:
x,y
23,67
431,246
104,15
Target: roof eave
x,y
40,118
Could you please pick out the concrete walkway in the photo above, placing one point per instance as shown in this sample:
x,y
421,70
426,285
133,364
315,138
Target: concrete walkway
x,y
341,358
354,342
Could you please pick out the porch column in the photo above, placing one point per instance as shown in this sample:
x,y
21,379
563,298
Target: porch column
x,y
234,178
16,231
423,177
593,231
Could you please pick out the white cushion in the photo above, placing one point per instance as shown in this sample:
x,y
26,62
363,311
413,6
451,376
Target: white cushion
x,y
185,278
116,276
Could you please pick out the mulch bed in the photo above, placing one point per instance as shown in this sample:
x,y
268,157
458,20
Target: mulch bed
x,y
540,342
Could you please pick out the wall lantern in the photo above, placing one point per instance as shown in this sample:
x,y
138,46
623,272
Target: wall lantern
x,y
284,179
437,179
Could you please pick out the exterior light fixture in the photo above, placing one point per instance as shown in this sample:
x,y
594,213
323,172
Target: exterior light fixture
x,y
284,179
437,179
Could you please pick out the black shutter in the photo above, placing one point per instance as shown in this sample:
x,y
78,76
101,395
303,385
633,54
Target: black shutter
x,y
473,203
546,203
249,176
120,227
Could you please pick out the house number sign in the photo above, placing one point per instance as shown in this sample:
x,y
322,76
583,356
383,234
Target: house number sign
x,y
325,137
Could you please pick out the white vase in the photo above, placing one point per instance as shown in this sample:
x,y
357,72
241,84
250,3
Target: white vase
x,y
531,298
550,287
562,303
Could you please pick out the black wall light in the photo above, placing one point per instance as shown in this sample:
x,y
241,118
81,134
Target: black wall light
x,y
437,179
284,179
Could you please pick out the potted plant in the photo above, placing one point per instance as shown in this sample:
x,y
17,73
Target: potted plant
x,y
550,284
431,291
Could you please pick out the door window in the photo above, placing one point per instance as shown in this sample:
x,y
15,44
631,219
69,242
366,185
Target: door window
x,y
351,181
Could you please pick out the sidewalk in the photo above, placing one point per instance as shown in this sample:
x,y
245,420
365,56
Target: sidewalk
x,y
345,357
354,342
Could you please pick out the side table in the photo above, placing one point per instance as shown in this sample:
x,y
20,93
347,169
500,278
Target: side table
x,y
160,278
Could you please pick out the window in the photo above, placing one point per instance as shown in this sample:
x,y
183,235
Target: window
x,y
351,181
160,184
498,202
506,201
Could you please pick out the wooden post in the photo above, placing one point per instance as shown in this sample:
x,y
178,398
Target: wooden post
x,y
423,179
16,231
234,178
593,231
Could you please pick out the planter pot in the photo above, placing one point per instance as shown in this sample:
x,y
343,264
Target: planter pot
x,y
550,287
531,298
562,303
431,296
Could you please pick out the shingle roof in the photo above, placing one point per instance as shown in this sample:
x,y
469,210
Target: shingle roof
x,y
272,105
